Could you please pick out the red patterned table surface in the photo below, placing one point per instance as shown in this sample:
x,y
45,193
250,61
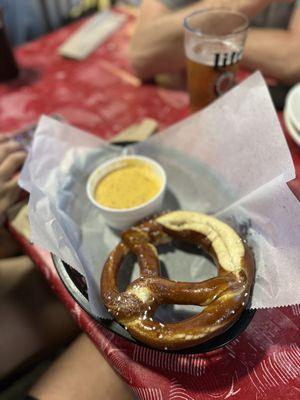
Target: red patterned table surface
x,y
101,95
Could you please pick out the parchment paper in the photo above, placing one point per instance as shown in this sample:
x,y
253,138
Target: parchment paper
x,y
231,159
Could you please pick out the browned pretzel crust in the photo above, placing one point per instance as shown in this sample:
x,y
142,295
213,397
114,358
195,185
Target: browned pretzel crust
x,y
224,296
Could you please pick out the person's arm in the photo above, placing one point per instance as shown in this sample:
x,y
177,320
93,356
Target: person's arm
x,y
275,52
81,373
157,44
12,157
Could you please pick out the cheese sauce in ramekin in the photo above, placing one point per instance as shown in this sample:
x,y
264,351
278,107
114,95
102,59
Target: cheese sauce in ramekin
x,y
127,189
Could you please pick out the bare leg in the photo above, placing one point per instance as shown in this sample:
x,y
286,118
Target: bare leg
x,y
81,373
33,322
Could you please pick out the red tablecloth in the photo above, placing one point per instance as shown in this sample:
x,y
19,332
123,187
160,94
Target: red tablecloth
x,y
101,95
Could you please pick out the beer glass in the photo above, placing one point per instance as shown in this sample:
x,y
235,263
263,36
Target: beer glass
x,y
214,44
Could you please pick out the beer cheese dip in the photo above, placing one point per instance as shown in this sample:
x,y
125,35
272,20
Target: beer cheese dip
x,y
128,186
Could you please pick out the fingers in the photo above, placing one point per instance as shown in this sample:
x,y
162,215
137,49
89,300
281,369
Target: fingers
x,y
12,158
3,138
11,164
9,194
11,184
8,147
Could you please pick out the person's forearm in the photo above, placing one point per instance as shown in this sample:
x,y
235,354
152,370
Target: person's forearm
x,y
158,44
275,52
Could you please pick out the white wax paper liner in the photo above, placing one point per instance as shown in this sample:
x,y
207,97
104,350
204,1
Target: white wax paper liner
x,y
231,159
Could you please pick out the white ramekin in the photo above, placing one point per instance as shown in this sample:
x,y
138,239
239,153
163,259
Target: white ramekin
x,y
124,218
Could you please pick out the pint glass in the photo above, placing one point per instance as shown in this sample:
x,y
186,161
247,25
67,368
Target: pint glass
x,y
214,44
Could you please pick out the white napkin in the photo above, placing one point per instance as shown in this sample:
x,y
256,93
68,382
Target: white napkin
x,y
230,159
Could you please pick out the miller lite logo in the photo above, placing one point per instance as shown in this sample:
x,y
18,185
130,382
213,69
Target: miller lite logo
x,y
227,79
225,82
226,59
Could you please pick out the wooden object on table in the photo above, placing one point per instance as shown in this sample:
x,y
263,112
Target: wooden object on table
x,y
136,132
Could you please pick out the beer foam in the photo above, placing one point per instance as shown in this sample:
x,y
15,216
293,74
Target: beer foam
x,y
214,53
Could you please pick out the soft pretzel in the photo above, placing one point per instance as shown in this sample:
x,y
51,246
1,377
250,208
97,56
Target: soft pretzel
x,y
223,297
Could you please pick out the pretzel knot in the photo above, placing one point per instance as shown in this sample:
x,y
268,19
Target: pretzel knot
x,y
223,297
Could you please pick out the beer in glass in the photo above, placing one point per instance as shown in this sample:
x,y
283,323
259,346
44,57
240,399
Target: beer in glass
x,y
214,44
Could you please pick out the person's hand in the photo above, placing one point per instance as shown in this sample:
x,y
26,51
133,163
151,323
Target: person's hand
x,y
12,156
